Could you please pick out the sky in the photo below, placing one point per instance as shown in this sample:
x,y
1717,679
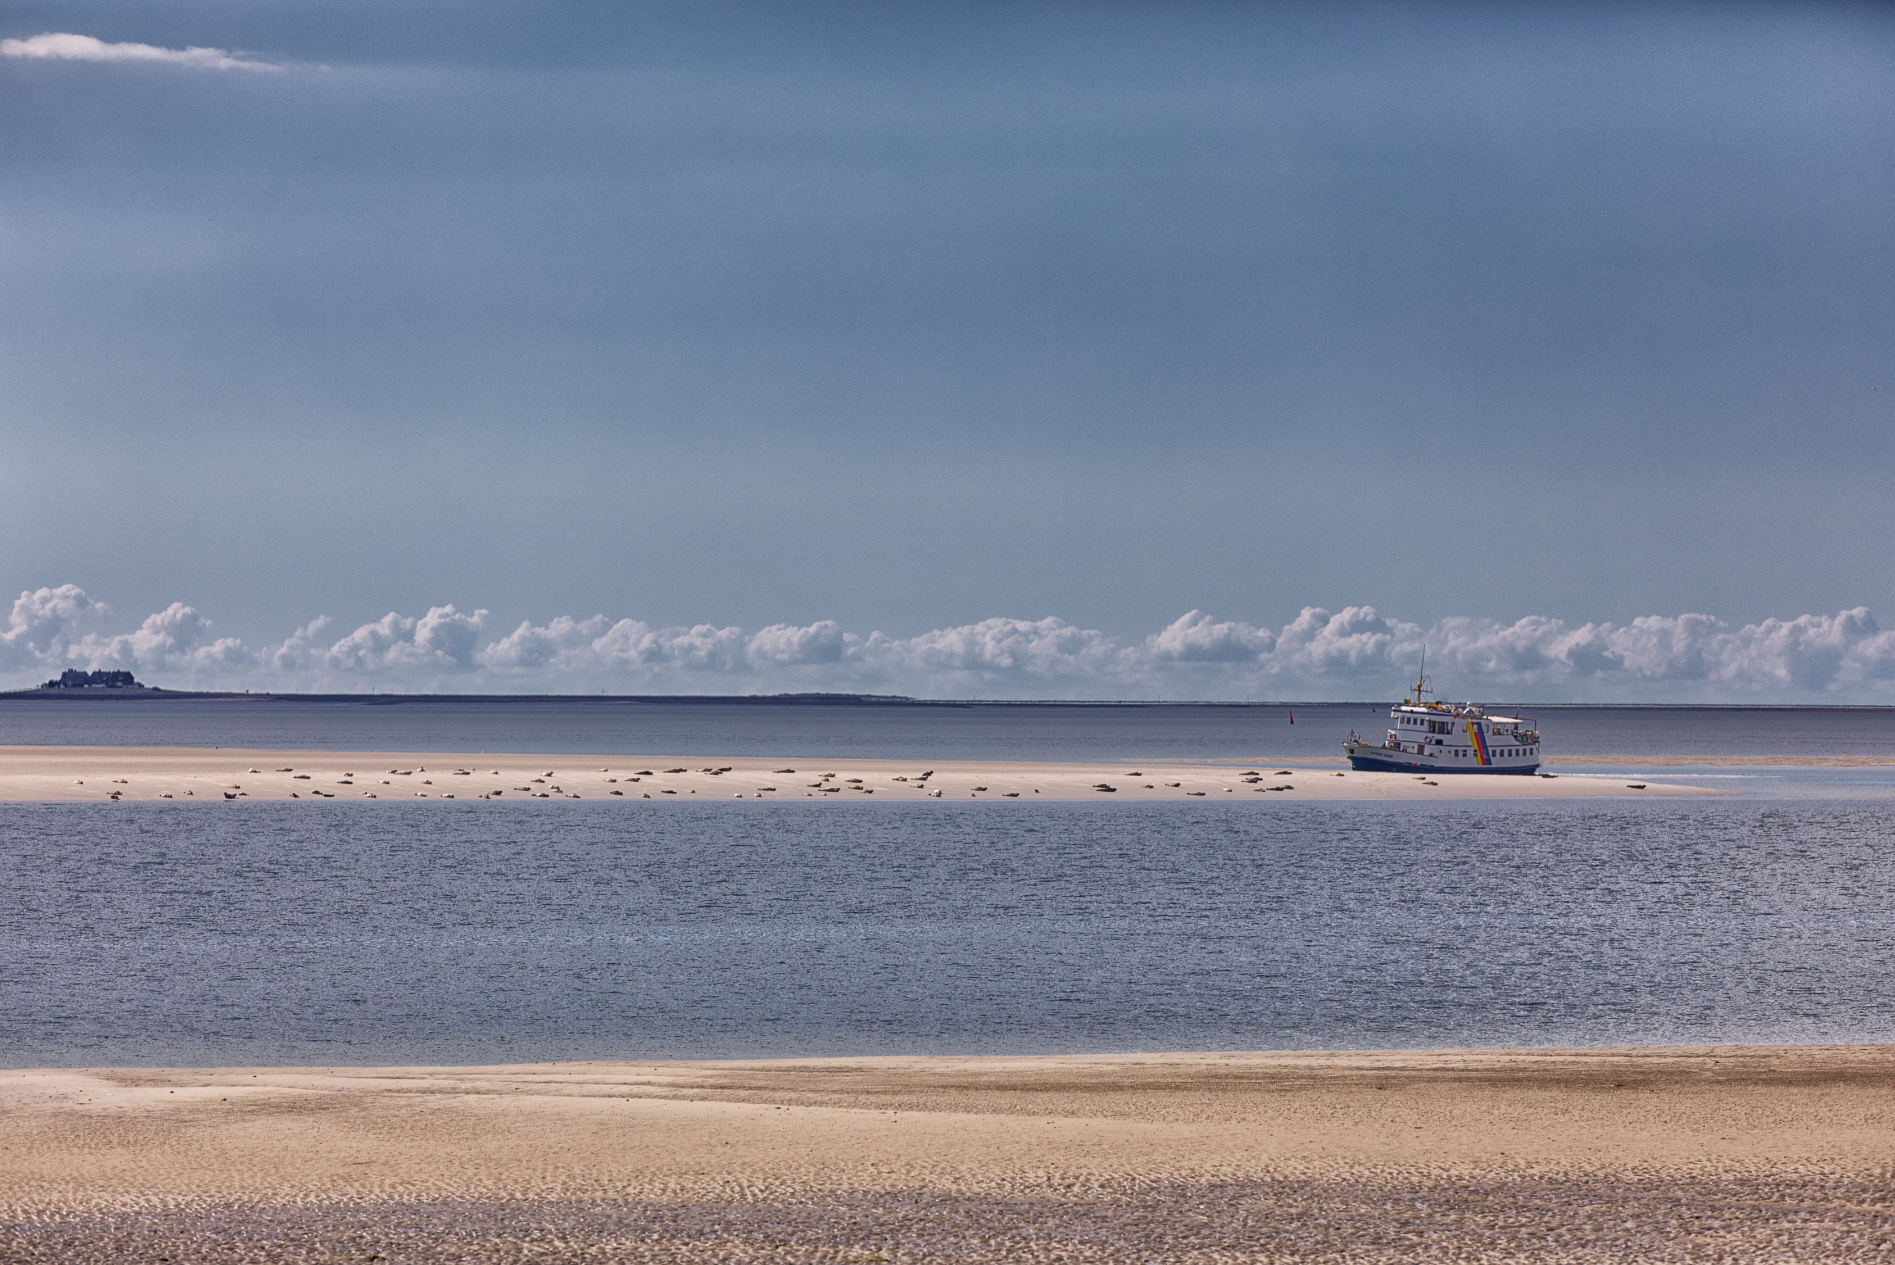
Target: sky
x,y
1027,350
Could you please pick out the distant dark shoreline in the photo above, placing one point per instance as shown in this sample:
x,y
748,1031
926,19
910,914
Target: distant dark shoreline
x,y
150,695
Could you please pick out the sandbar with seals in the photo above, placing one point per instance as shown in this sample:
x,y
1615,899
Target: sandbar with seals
x,y
227,775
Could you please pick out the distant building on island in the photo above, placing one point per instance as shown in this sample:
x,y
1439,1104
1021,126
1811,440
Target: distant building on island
x,y
78,679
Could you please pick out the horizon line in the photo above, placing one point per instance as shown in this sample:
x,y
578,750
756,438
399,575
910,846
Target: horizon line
x,y
834,698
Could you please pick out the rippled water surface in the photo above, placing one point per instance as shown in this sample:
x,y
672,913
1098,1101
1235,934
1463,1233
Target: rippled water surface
x,y
303,933
932,732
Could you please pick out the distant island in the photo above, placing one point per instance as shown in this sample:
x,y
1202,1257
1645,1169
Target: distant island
x,y
74,684
79,679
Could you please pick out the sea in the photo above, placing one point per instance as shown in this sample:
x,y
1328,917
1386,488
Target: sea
x,y
475,932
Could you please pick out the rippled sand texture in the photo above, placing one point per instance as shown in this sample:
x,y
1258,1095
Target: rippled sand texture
x,y
1719,1154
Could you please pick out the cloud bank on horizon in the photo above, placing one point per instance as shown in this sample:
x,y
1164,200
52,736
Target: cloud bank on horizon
x,y
1348,654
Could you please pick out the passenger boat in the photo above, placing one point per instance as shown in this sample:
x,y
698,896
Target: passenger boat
x,y
1432,737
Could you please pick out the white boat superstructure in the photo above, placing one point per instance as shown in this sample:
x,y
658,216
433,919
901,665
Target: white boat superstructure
x,y
1426,736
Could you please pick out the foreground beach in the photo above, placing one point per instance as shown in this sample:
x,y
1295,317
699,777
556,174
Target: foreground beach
x,y
186,774
1722,1153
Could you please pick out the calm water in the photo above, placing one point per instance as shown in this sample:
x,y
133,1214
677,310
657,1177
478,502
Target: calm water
x,y
1039,732
316,933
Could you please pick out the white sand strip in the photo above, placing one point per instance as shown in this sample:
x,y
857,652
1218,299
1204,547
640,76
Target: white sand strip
x,y
1730,762
228,775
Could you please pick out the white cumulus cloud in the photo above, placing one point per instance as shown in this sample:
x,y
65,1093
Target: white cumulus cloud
x,y
301,652
783,645
1008,653
1356,652
176,638
39,622
1195,637
559,643
65,46
444,638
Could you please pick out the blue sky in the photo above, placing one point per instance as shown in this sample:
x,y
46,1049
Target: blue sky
x,y
1068,349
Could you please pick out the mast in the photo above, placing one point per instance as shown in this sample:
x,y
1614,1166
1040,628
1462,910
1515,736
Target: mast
x,y
1421,676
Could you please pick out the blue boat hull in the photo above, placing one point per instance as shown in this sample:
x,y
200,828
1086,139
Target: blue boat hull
x,y
1369,764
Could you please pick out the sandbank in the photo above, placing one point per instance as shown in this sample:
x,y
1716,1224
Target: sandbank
x,y
1718,1153
1735,761
232,775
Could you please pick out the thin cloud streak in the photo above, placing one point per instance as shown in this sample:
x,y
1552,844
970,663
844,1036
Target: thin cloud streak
x,y
65,46
1352,653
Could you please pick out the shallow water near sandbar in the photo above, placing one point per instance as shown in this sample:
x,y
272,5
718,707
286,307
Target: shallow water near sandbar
x,y
931,732
479,933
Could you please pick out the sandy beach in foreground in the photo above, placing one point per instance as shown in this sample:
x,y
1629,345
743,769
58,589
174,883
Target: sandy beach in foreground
x,y
219,775
1721,1153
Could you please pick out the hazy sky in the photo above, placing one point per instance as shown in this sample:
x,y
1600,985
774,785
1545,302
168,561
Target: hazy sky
x,y
1008,332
